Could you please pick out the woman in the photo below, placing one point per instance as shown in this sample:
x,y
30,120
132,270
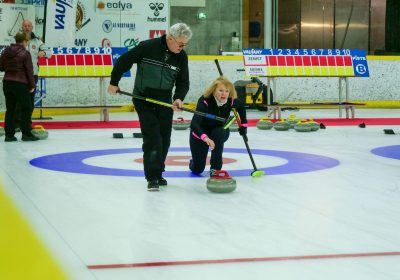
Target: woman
x,y
218,99
18,86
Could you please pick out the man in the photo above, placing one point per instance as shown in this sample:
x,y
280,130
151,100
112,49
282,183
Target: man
x,y
35,46
37,49
162,64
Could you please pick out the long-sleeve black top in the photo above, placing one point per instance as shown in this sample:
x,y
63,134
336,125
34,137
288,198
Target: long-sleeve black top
x,y
201,125
158,70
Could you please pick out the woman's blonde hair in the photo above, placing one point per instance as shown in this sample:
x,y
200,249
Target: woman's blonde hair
x,y
221,81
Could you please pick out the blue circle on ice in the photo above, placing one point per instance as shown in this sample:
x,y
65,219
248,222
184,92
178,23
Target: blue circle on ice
x,y
73,163
388,151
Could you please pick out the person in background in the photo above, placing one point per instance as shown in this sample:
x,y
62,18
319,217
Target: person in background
x,y
18,87
162,64
205,133
37,49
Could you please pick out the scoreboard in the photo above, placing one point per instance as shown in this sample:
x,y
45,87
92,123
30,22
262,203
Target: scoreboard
x,y
80,62
305,62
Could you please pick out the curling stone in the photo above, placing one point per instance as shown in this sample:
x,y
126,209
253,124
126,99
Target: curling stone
x,y
264,124
302,126
292,120
222,183
2,132
314,125
180,124
234,127
40,132
282,125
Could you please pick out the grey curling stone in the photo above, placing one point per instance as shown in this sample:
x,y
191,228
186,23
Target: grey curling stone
x,y
2,132
234,127
264,124
302,127
221,185
292,122
40,132
282,126
314,125
180,124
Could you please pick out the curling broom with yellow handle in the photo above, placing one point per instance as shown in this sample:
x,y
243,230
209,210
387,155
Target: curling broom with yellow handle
x,y
206,115
256,172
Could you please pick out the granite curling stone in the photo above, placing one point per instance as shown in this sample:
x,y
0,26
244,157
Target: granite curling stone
x,y
40,132
234,127
302,126
282,125
264,124
221,183
180,124
292,120
314,125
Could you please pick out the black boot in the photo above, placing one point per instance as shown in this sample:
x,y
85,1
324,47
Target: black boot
x,y
162,181
29,137
153,186
10,138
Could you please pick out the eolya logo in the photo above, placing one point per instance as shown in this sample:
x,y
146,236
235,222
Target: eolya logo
x,y
156,7
114,5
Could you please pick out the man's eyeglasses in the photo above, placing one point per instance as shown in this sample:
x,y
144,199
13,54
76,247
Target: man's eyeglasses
x,y
180,44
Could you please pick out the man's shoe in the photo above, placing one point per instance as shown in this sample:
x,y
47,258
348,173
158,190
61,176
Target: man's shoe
x,y
10,139
29,137
162,182
153,186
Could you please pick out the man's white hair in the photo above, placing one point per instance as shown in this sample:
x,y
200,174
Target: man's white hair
x,y
180,30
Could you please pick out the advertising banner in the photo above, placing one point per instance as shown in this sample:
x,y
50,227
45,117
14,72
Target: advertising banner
x,y
88,23
11,18
60,22
39,17
119,23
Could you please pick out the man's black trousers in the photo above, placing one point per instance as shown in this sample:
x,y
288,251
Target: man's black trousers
x,y
155,125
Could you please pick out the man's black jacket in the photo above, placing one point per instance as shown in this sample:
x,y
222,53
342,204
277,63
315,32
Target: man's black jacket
x,y
158,70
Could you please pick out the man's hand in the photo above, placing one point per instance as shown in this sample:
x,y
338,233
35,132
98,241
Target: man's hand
x,y
113,90
178,104
32,90
41,54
